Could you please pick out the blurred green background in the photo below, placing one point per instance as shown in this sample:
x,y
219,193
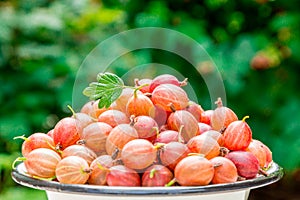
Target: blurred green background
x,y
254,43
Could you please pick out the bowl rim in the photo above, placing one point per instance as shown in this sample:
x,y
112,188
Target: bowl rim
x,y
275,173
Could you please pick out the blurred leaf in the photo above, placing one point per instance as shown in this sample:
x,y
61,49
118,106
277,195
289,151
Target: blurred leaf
x,y
288,156
235,72
20,193
289,19
7,22
156,14
40,18
192,28
295,48
13,124
37,51
235,23
147,20
214,4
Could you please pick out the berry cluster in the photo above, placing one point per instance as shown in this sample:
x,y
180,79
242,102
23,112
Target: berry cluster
x,y
150,134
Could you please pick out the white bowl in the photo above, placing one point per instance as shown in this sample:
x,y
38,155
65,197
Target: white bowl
x,y
238,191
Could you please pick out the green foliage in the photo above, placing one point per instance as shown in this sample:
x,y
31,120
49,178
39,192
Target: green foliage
x,y
19,193
254,43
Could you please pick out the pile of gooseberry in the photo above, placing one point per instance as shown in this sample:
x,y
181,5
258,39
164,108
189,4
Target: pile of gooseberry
x,y
151,134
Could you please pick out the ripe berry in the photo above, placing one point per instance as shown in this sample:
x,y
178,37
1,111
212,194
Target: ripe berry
x,y
160,115
66,132
83,119
222,116
205,145
94,137
183,118
121,175
80,151
72,170
50,133
165,79
215,135
257,148
118,137
246,163
203,127
156,175
269,158
225,170
169,94
34,141
121,103
168,136
146,82
172,153
139,104
42,162
113,118
146,127
206,117
91,108
194,171
138,154
237,135
195,109
99,170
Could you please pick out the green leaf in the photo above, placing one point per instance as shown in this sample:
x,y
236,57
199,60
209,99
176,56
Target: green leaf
x,y
108,88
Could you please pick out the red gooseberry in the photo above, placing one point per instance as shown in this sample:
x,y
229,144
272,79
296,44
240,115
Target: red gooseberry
x,y
94,137
169,94
238,135
156,175
138,154
194,171
225,170
72,170
42,162
222,116
121,175
183,118
246,163
205,145
118,137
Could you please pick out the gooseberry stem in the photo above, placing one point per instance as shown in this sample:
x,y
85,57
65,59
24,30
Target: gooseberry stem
x,y
19,159
156,130
219,102
172,182
180,134
85,171
72,110
152,173
184,82
132,120
244,119
159,145
44,179
101,167
21,137
172,107
138,88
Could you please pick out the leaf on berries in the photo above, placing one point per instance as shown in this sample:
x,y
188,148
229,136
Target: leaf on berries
x,y
107,89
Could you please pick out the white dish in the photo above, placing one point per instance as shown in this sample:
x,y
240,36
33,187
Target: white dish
x,y
237,191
